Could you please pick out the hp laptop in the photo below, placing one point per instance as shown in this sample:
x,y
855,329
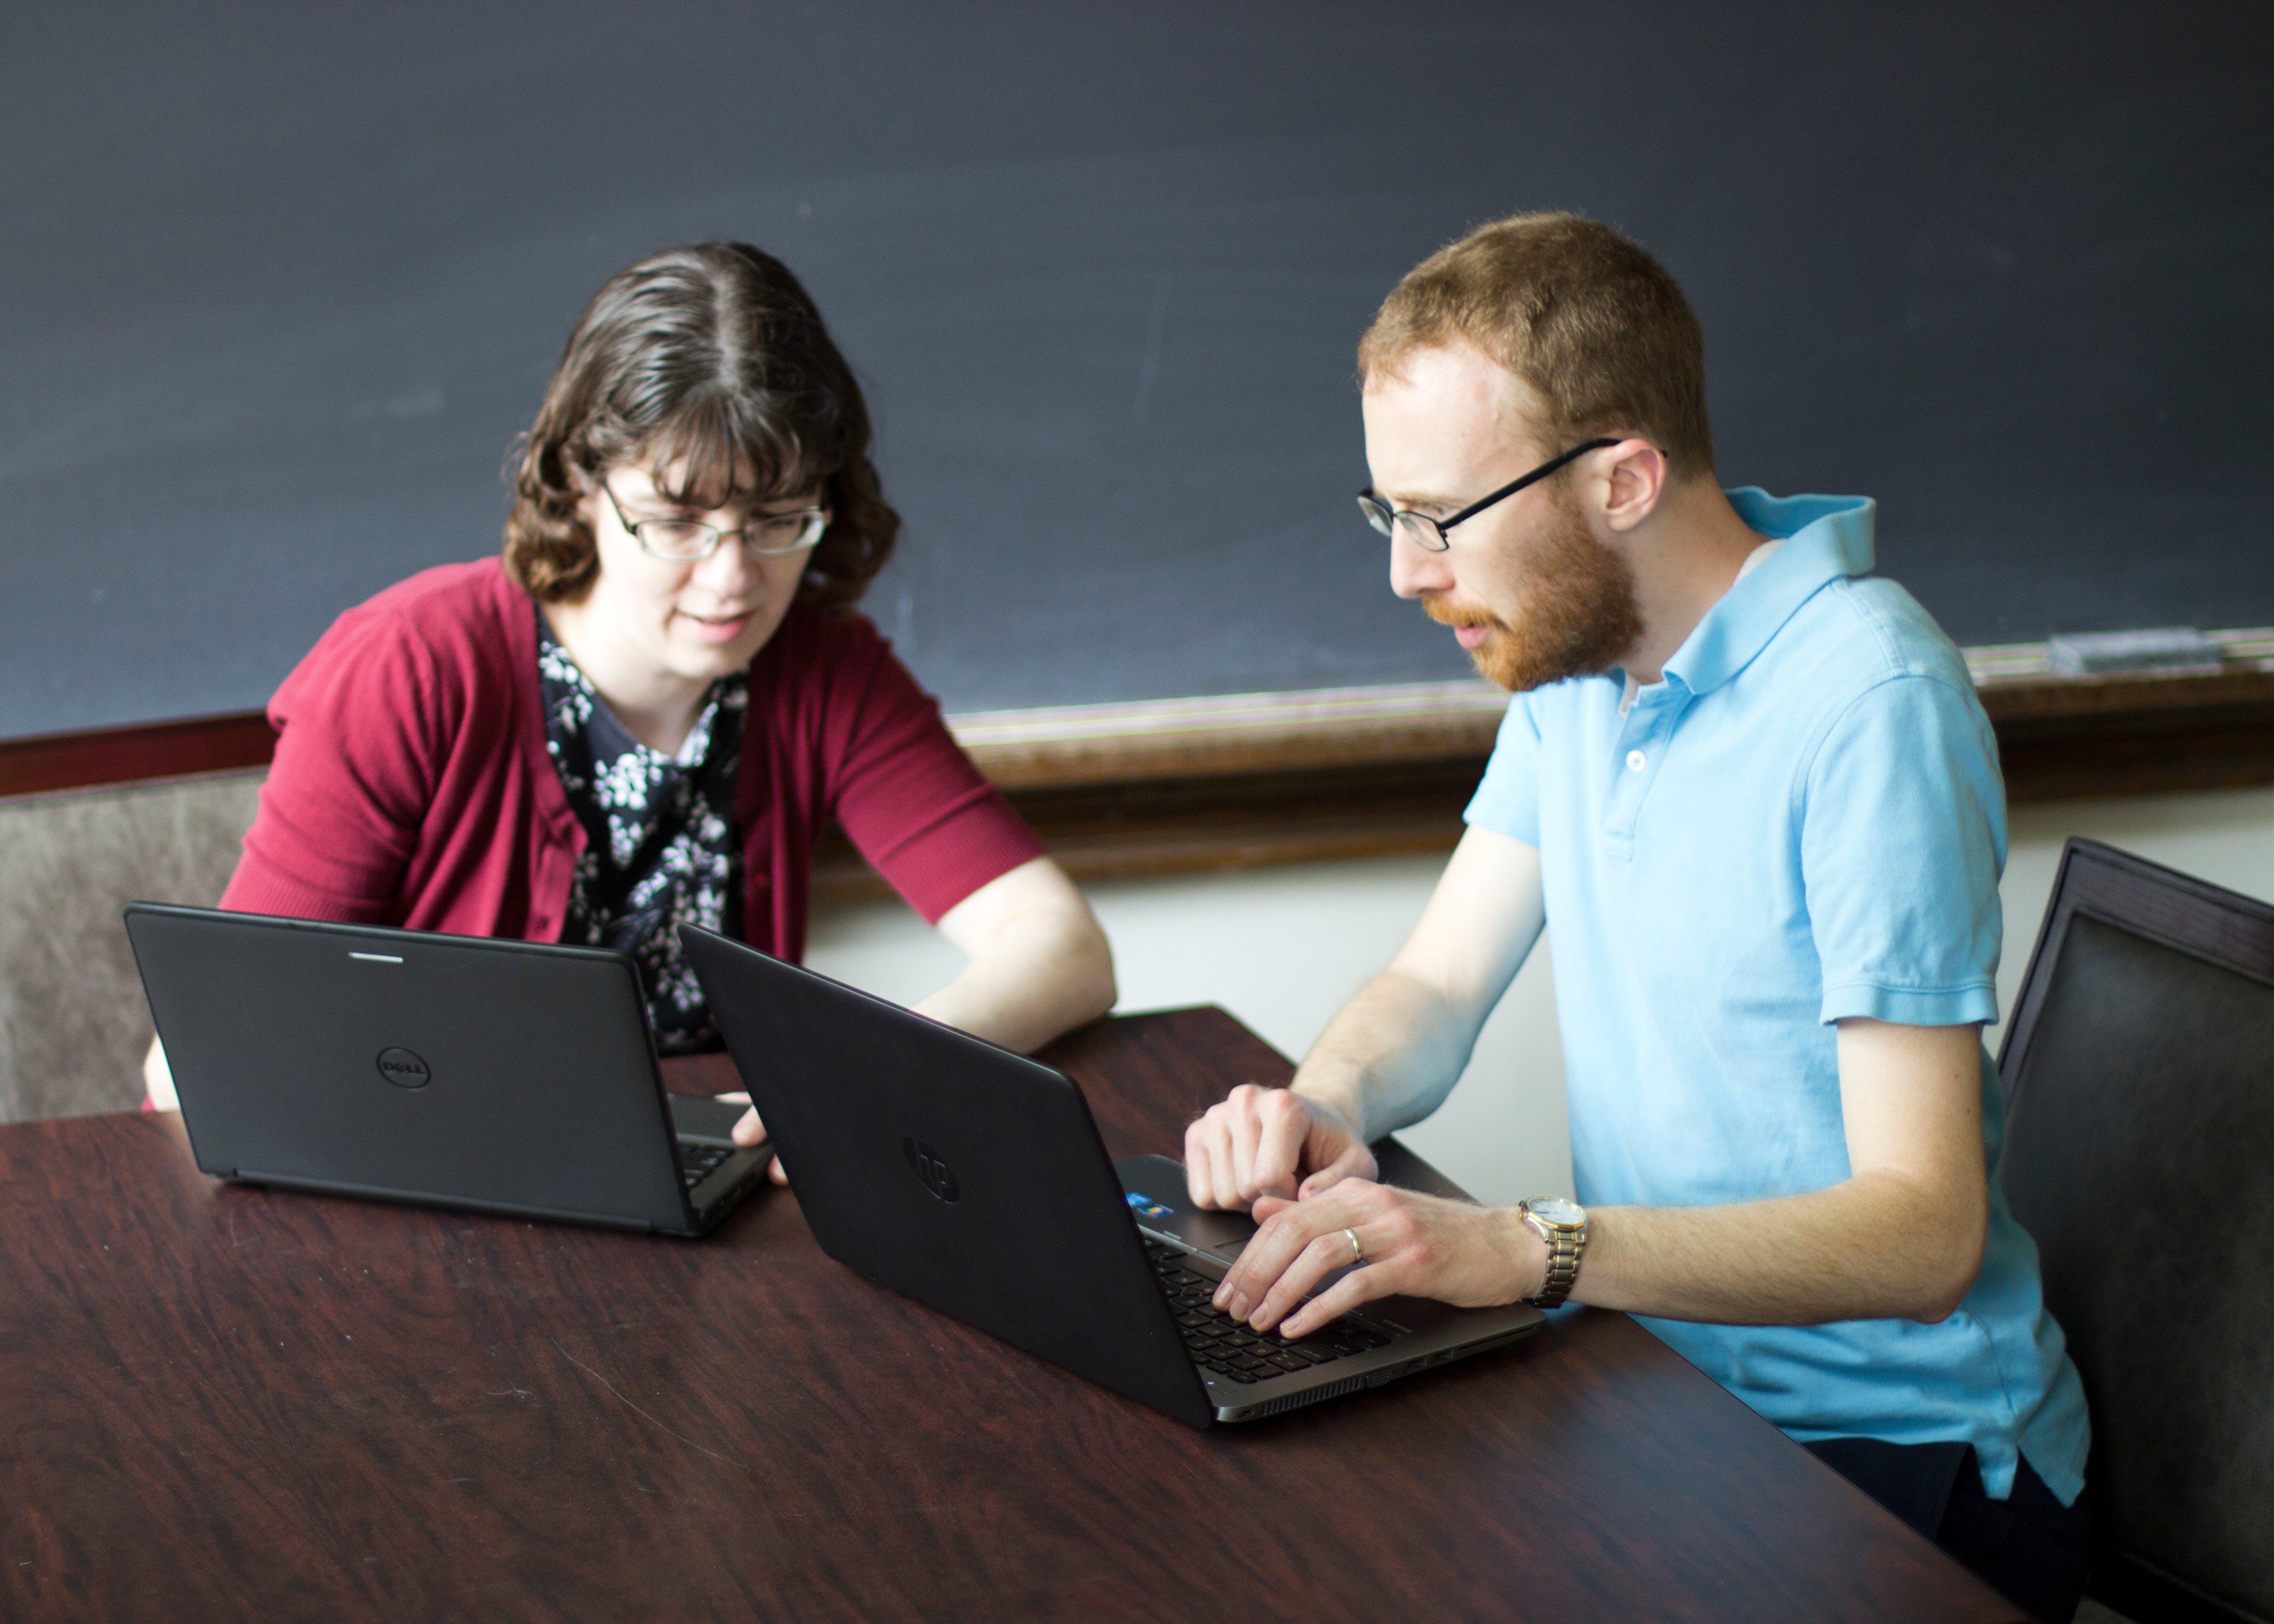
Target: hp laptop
x,y
972,1179
506,1077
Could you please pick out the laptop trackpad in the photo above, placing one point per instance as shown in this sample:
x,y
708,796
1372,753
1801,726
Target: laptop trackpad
x,y
1158,1199
1154,1189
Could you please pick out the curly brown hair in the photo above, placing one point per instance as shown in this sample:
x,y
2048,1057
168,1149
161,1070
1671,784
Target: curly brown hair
x,y
711,362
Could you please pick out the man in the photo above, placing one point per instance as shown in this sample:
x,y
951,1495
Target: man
x,y
1751,786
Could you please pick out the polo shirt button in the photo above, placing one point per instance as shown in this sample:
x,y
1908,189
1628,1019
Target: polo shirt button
x,y
1636,761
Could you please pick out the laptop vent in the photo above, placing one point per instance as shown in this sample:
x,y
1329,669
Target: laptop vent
x,y
1316,1396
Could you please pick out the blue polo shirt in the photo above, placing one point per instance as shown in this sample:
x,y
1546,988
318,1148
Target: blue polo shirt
x,y
1803,821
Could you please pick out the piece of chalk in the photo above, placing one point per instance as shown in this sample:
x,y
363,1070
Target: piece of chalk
x,y
2159,648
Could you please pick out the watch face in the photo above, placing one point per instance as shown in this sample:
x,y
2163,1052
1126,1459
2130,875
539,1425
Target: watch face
x,y
1555,1210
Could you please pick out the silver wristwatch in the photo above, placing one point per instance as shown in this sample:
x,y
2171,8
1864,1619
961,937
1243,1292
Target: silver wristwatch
x,y
1563,1225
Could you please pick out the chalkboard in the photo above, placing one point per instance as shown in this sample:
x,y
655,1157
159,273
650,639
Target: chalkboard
x,y
281,282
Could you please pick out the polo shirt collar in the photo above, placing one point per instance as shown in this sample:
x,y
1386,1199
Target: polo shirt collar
x,y
1825,538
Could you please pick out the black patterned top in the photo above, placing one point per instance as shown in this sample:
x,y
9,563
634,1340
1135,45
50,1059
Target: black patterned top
x,y
660,841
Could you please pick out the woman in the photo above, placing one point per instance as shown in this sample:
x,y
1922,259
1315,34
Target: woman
x,y
647,710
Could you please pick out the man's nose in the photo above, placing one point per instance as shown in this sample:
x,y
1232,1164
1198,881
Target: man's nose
x,y
1415,570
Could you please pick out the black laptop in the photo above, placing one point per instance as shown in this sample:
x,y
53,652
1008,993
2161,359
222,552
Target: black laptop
x,y
972,1179
502,1076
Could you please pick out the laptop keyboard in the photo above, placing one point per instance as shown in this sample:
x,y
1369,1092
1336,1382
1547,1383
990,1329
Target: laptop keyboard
x,y
1224,1346
697,1162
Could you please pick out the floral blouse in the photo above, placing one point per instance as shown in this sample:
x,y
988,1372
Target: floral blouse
x,y
659,845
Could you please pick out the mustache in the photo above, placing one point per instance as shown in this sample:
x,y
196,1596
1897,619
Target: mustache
x,y
1446,611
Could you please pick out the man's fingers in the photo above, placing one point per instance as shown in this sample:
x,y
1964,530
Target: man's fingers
x,y
1198,1178
1282,1127
1243,1131
1354,1161
1320,1256
774,1171
1230,1133
1289,1227
1216,1130
1361,1285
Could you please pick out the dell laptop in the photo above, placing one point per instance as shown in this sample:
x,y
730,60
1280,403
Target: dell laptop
x,y
972,1179
502,1076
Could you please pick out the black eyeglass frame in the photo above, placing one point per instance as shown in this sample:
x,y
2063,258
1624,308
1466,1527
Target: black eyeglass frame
x,y
719,537
1384,518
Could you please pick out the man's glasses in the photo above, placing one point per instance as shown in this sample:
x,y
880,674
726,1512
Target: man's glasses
x,y
1429,534
684,540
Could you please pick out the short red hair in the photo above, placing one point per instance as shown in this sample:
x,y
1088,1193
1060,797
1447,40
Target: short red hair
x,y
1580,312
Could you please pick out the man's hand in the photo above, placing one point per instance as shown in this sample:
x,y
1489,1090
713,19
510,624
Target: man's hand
x,y
1414,1245
1270,1141
1390,1054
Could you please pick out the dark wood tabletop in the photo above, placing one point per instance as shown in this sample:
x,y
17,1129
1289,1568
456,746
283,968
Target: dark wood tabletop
x,y
222,1402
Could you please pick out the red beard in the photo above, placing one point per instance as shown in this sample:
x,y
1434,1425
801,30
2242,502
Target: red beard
x,y
1576,599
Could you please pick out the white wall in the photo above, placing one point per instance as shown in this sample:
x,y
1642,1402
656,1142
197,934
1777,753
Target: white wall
x,y
1281,948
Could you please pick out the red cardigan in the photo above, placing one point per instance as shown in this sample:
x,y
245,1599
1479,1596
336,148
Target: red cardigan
x,y
411,785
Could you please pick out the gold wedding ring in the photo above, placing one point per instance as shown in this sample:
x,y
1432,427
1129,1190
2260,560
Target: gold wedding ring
x,y
1358,1252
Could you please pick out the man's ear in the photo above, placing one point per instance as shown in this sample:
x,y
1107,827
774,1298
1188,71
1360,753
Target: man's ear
x,y
1635,476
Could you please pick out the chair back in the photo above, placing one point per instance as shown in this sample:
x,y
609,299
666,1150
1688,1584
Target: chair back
x,y
2139,1152
74,1023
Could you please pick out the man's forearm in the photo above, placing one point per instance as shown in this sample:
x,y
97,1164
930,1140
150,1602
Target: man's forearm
x,y
1389,1058
1876,1246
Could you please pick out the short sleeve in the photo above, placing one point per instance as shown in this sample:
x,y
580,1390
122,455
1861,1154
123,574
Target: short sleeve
x,y
1508,801
909,797
1902,841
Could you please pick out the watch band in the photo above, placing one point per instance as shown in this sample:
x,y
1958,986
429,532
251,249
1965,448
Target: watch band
x,y
1565,1244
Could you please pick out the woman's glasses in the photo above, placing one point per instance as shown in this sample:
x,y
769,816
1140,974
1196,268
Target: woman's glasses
x,y
769,535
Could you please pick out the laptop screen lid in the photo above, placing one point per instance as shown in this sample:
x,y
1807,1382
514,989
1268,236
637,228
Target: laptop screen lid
x,y
960,1174
505,1075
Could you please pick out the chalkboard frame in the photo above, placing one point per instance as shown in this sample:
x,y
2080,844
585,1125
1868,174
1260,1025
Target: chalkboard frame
x,y
1182,785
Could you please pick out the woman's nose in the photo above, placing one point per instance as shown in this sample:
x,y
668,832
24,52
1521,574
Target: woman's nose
x,y
730,569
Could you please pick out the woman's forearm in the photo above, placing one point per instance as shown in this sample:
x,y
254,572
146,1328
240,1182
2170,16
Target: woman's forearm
x,y
1040,965
1041,975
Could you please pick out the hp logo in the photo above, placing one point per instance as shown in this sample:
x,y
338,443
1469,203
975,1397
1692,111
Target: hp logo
x,y
937,1176
403,1068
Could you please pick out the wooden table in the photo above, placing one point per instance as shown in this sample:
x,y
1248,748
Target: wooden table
x,y
219,1402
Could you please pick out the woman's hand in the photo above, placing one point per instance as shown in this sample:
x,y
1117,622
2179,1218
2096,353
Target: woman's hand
x,y
715,1075
158,1079
750,1132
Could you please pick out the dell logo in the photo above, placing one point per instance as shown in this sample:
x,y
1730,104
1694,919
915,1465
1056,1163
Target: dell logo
x,y
403,1068
937,1176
